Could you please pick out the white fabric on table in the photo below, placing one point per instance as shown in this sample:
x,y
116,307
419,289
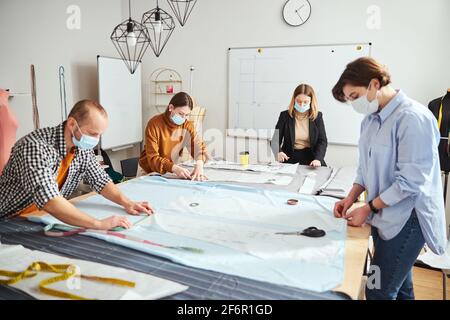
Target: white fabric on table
x,y
234,227
244,177
276,167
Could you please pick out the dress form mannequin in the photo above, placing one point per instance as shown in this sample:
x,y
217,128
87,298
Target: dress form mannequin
x,y
435,107
8,129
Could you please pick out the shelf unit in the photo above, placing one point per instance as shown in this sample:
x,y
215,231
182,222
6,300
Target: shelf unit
x,y
165,83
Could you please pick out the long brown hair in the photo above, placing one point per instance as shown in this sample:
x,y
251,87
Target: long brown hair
x,y
181,99
308,91
359,73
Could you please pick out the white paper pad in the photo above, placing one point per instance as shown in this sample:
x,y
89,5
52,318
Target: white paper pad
x,y
18,258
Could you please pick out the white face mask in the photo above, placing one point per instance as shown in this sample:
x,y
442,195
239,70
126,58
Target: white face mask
x,y
86,142
302,108
364,106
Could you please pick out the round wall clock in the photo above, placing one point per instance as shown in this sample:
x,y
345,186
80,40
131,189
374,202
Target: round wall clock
x,y
296,12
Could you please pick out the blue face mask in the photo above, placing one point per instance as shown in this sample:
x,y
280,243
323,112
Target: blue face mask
x,y
302,109
86,142
177,119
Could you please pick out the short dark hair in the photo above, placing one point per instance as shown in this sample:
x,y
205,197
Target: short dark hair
x,y
81,109
182,99
359,73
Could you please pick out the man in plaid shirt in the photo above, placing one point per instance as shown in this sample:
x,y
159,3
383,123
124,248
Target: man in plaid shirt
x,y
47,165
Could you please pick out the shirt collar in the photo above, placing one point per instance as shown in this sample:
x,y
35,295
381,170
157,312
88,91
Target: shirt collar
x,y
391,106
60,141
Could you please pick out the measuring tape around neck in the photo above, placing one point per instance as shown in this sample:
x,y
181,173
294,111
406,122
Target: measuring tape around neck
x,y
440,115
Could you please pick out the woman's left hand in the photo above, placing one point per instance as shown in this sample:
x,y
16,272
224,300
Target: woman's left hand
x,y
315,163
197,173
358,217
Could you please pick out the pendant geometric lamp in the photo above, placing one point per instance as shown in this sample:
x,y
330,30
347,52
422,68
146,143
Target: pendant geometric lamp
x,y
131,40
182,9
160,26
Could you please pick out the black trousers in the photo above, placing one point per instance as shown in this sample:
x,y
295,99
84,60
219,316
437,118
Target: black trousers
x,y
303,157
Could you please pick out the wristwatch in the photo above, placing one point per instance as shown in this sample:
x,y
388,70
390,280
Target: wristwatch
x,y
372,207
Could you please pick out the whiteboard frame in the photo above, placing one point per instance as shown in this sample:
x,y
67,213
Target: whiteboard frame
x,y
276,47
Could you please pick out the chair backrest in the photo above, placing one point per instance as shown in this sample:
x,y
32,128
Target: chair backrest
x,y
197,116
129,167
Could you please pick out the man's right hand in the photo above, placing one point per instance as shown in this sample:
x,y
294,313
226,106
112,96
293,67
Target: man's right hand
x,y
65,211
341,207
181,173
113,222
282,157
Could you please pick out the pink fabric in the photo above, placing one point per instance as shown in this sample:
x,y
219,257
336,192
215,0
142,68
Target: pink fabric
x,y
8,129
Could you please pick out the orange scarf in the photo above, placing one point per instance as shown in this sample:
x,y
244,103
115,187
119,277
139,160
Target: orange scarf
x,y
63,172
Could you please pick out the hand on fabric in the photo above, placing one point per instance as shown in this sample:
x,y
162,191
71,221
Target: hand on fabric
x,y
282,157
197,173
137,208
341,207
315,163
113,222
358,217
181,172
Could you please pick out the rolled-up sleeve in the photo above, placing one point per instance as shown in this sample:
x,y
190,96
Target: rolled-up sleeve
x,y
95,176
37,176
416,144
359,172
359,177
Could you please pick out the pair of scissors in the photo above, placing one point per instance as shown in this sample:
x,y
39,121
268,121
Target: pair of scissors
x,y
311,232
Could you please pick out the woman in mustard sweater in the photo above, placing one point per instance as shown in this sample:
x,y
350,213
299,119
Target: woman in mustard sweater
x,y
165,137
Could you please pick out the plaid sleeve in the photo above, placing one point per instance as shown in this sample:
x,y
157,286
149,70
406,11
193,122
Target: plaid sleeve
x,y
95,175
38,178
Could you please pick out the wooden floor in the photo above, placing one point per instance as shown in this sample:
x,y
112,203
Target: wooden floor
x,y
428,284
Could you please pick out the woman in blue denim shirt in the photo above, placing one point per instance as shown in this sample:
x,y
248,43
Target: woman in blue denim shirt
x,y
400,171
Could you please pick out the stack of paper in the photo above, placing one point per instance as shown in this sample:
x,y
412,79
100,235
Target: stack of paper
x,y
339,184
276,167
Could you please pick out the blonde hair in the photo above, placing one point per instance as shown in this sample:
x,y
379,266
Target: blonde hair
x,y
308,91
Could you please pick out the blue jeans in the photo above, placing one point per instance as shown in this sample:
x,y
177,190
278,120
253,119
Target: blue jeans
x,y
395,259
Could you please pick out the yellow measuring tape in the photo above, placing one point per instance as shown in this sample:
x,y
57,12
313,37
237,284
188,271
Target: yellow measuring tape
x,y
66,271
440,117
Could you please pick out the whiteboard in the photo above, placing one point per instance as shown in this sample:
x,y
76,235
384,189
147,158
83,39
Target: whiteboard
x,y
262,81
120,94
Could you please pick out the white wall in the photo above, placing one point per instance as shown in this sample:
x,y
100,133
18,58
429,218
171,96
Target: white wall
x,y
35,32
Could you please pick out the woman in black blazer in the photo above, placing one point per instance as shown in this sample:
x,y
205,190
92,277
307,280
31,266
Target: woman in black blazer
x,y
300,135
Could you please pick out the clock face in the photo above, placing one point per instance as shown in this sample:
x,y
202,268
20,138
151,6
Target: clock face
x,y
296,12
